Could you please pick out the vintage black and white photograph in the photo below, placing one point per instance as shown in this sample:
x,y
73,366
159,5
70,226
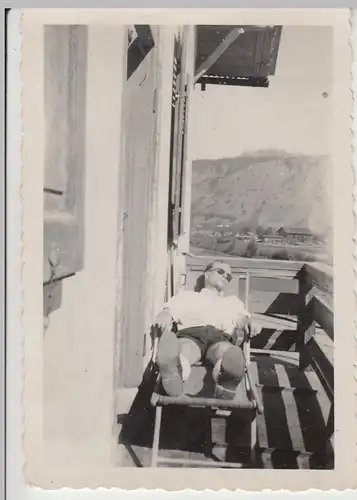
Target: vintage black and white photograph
x,y
188,244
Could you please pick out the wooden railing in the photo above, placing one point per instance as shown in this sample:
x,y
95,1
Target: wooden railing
x,y
301,292
316,303
316,323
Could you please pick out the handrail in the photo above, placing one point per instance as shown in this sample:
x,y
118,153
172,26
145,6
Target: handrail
x,y
322,313
317,289
245,262
320,275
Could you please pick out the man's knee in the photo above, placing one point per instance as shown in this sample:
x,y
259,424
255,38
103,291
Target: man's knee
x,y
216,351
233,363
167,348
190,350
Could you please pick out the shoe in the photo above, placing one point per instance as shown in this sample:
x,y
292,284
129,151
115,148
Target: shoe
x,y
228,372
168,360
225,387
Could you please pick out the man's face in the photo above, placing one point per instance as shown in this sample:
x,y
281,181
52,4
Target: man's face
x,y
219,276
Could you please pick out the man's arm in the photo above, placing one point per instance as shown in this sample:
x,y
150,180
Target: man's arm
x,y
244,323
170,312
164,319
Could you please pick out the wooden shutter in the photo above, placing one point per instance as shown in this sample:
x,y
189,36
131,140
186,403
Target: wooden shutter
x,y
175,102
137,176
177,147
181,167
65,65
253,54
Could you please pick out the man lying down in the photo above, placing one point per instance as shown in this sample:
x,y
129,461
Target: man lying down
x,y
210,327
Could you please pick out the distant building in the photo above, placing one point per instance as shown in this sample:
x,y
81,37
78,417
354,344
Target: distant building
x,y
205,231
269,231
274,239
297,235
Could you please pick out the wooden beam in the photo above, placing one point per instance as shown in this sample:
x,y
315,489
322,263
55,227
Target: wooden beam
x,y
201,402
274,284
200,463
323,315
222,47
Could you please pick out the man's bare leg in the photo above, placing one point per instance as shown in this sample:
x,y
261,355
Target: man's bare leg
x,y
169,363
175,358
229,365
190,354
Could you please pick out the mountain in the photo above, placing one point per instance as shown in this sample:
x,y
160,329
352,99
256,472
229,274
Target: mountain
x,y
263,188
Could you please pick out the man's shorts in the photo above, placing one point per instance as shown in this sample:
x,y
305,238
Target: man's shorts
x,y
204,336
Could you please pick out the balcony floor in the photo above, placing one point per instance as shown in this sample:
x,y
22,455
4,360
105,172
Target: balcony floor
x,y
291,432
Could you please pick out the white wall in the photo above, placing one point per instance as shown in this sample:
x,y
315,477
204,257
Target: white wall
x,y
82,343
79,342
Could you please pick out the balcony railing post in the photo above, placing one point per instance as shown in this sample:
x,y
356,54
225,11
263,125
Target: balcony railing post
x,y
306,325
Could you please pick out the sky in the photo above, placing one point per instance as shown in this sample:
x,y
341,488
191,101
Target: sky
x,y
291,115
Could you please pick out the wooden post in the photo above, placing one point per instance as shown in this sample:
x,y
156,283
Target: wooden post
x,y
208,452
252,388
156,441
330,425
247,291
246,345
306,325
253,439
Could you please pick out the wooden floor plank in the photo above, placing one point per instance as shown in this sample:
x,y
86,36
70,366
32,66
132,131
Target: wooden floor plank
x,y
291,410
272,339
261,424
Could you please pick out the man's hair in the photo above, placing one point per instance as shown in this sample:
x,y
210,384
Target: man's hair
x,y
211,264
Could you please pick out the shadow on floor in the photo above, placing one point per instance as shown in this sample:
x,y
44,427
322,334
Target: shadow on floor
x,y
184,429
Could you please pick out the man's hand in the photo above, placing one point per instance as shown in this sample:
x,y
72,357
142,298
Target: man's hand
x,y
164,320
246,325
243,322
251,329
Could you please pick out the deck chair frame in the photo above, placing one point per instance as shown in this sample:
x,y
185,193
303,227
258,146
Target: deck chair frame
x,y
213,407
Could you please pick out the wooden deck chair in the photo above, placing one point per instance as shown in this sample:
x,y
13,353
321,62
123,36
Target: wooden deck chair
x,y
246,398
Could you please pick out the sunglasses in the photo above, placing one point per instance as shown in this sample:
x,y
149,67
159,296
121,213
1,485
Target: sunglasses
x,y
224,273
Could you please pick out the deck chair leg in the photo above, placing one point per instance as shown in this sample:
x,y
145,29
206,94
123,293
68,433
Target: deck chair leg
x,y
208,452
156,440
253,440
330,425
330,429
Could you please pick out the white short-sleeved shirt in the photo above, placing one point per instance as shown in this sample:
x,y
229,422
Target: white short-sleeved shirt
x,y
204,308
